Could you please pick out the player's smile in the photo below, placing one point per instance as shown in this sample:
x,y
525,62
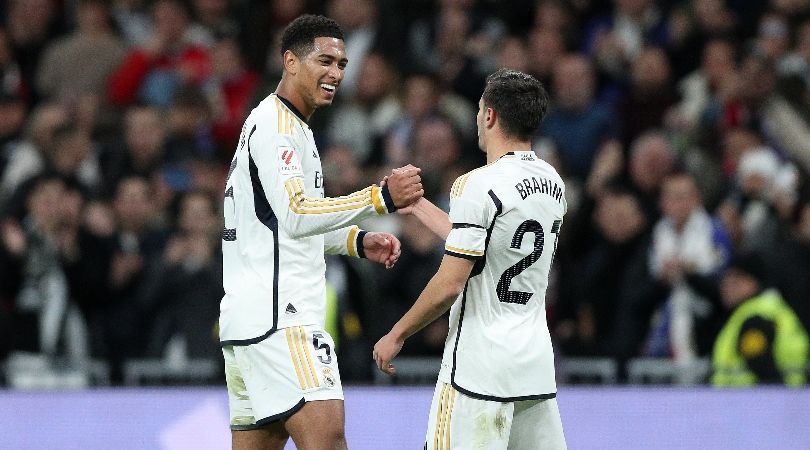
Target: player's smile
x,y
328,90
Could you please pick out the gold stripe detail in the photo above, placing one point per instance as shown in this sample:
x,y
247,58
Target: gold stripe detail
x,y
439,417
453,188
351,249
442,416
443,432
463,185
300,204
464,251
309,358
376,195
308,210
301,356
449,417
296,186
279,113
294,359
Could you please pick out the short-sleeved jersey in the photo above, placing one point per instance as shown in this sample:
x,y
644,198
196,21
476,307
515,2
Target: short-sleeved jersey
x,y
507,217
278,225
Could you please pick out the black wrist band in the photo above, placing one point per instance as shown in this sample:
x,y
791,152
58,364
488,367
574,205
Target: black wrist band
x,y
389,202
359,244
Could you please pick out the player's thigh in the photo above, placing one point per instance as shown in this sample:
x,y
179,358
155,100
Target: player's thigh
x,y
457,422
270,381
268,437
536,425
318,425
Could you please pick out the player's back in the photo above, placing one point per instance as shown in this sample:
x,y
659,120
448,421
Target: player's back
x,y
499,345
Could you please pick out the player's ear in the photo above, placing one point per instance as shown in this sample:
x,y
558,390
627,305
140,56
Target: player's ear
x,y
490,117
291,62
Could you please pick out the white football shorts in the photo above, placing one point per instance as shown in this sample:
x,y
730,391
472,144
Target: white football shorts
x,y
458,421
271,380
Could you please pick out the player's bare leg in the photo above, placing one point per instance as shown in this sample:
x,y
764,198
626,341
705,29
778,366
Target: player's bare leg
x,y
270,437
318,425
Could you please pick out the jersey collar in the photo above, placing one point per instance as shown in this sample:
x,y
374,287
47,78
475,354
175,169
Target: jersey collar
x,y
517,152
292,108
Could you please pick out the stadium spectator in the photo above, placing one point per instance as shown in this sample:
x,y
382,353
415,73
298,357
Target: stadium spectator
x,y
763,341
649,95
424,97
31,24
132,20
214,19
749,209
577,124
545,48
687,242
140,150
73,156
359,21
46,320
452,43
11,83
362,122
137,244
12,119
182,290
25,158
152,72
614,293
651,159
230,91
789,260
615,40
79,64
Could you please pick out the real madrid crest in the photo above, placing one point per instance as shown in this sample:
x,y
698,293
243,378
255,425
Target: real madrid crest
x,y
328,377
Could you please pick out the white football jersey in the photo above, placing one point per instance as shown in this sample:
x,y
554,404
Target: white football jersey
x,y
278,226
507,217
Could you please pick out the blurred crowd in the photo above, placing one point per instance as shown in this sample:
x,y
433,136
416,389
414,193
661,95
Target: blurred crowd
x,y
681,129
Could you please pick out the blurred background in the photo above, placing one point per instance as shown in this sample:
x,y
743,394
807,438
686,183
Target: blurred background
x,y
681,129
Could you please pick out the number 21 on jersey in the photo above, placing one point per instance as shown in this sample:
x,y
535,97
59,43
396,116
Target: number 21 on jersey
x,y
529,226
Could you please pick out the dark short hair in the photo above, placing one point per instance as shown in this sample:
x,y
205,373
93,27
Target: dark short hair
x,y
299,36
520,100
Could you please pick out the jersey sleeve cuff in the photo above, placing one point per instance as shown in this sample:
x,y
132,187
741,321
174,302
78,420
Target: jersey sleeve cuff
x,y
351,242
354,243
472,255
387,200
361,253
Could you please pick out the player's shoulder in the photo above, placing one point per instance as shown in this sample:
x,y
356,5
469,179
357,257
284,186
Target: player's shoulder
x,y
550,172
274,116
471,183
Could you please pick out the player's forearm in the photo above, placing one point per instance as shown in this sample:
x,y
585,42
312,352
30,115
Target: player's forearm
x,y
344,241
309,216
437,297
432,217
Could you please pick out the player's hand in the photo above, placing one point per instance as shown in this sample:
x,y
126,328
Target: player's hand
x,y
405,185
385,350
405,210
383,248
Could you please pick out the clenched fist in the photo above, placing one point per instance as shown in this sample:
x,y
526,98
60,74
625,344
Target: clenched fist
x,y
405,185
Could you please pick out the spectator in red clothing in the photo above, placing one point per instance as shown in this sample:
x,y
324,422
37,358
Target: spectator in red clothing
x,y
230,90
168,61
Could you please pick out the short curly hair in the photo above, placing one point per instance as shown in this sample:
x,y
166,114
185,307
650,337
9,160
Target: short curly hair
x,y
519,99
299,36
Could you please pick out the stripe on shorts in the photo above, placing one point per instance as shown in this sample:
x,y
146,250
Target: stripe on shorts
x,y
309,358
294,358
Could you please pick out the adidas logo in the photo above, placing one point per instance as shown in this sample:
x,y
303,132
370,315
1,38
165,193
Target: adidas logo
x,y
290,309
